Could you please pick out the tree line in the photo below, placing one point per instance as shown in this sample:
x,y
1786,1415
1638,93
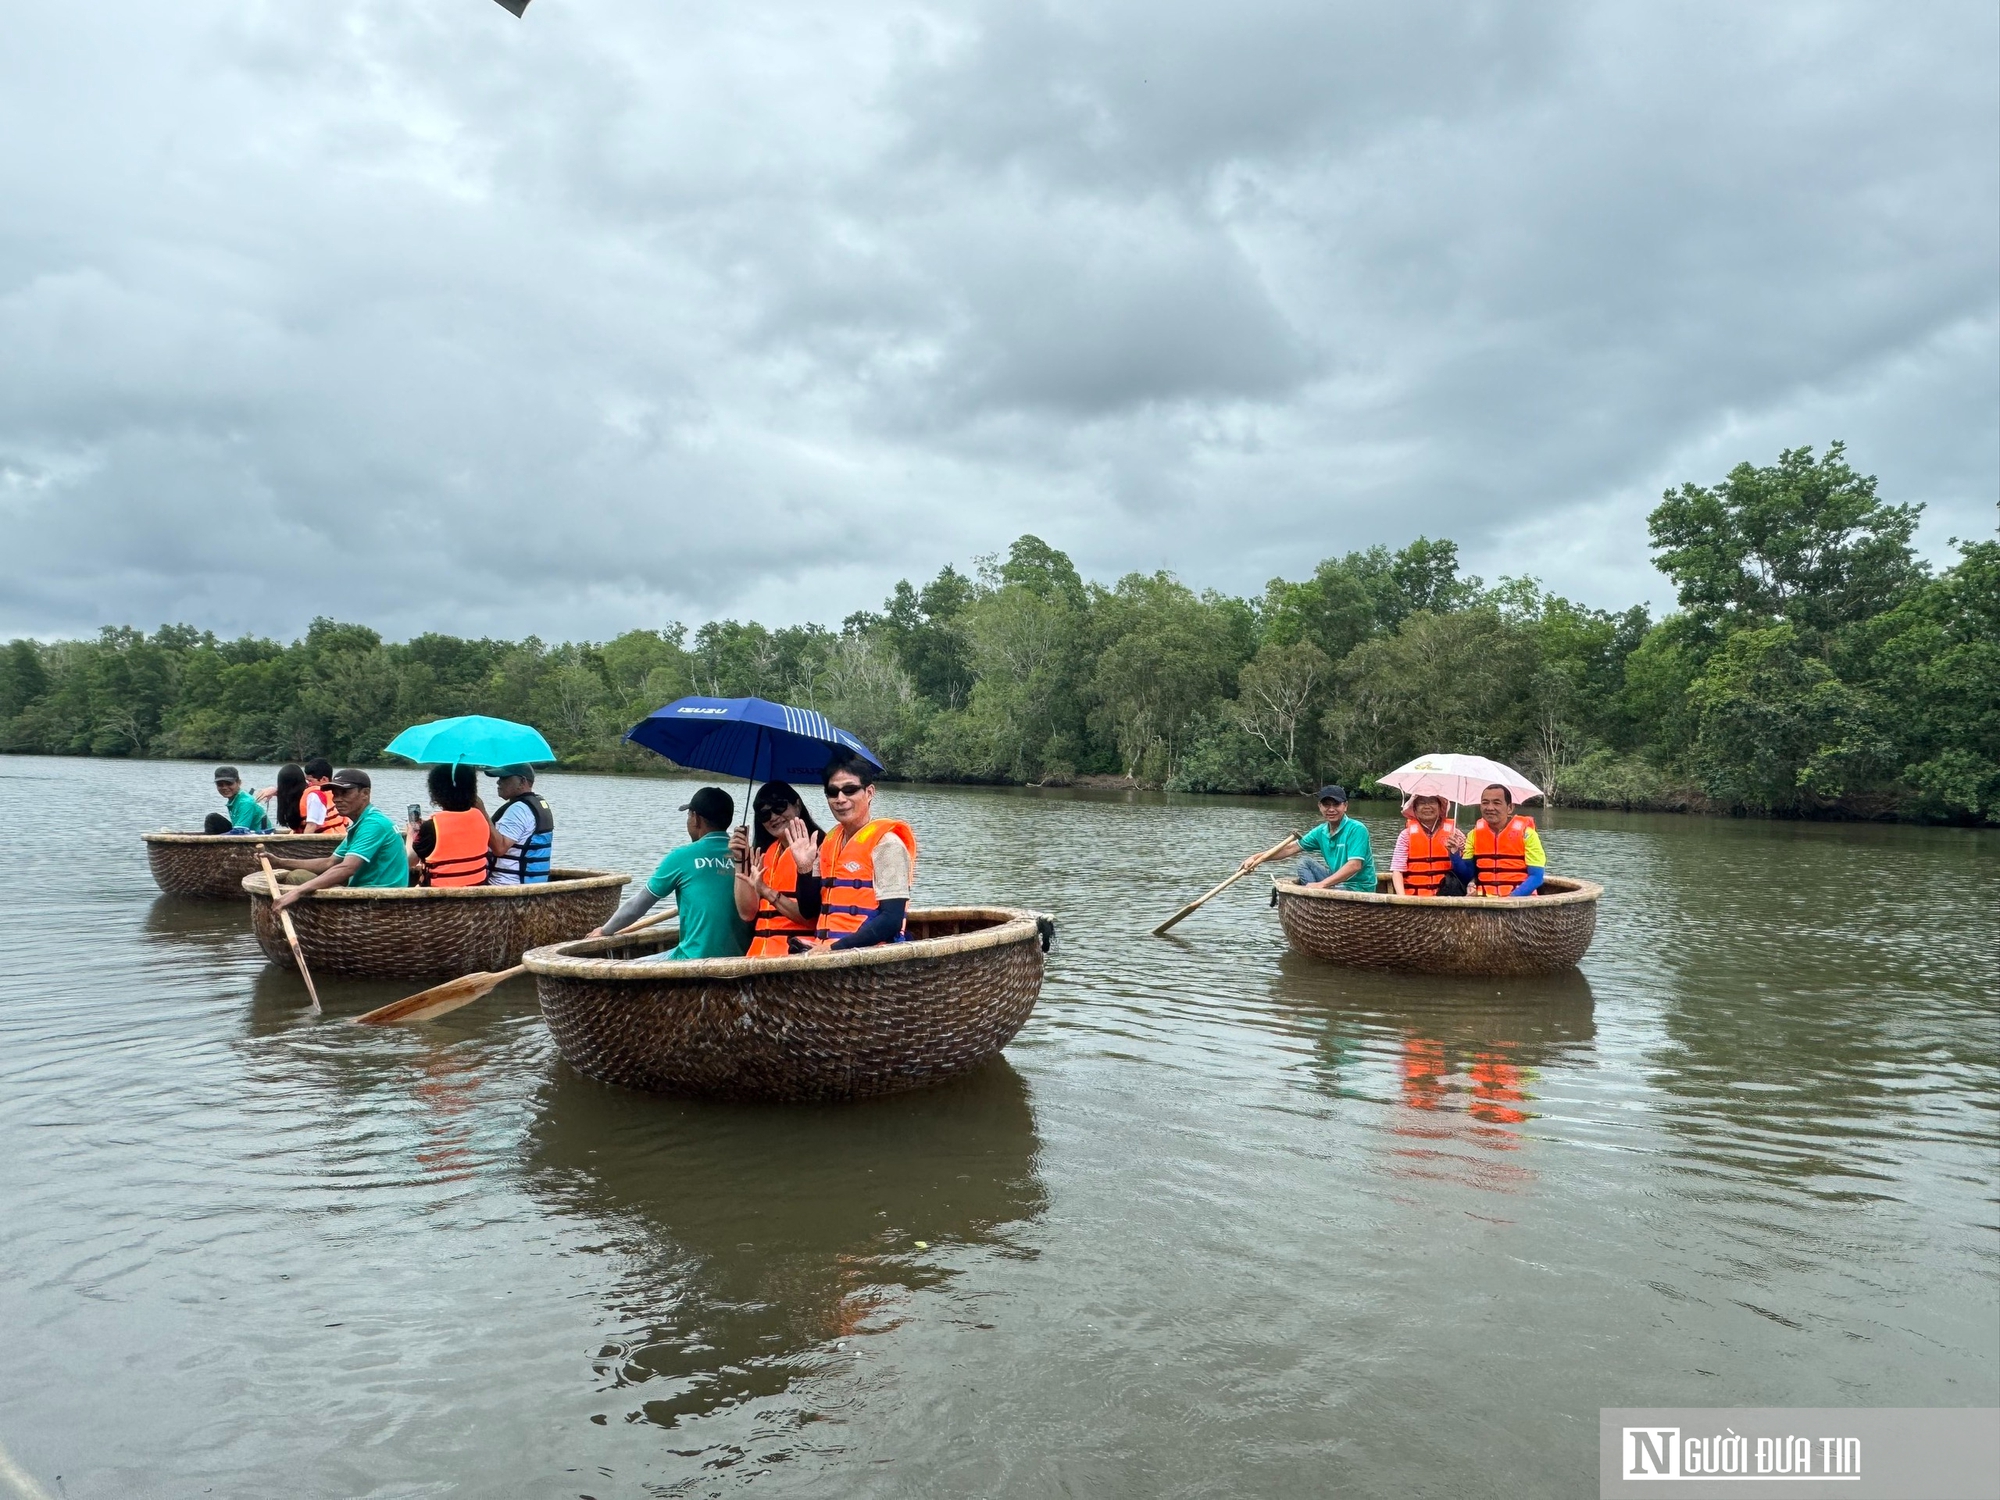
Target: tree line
x,y
1815,666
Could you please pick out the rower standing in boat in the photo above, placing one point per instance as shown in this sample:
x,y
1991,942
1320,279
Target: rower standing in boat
x,y
1340,856
855,883
371,854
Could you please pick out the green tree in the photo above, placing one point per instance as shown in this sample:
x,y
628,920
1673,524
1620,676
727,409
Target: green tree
x,y
1802,542
1280,692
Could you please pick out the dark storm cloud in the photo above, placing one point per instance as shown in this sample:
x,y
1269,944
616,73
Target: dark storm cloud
x,y
415,314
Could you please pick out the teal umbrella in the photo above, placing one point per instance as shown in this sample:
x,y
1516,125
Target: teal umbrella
x,y
471,740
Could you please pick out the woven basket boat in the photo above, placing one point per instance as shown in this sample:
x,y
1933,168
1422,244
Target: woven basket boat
x,y
421,932
813,1026
213,865
1536,934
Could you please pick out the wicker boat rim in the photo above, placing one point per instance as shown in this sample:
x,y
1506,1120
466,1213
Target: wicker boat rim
x,y
249,841
559,882
1557,890
575,960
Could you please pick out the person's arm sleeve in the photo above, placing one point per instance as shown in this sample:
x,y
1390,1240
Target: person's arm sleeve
x,y
1399,861
1464,868
636,906
1538,863
892,871
880,928
807,896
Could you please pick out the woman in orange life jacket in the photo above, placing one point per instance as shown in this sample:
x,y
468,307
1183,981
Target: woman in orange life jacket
x,y
451,845
767,892
1503,853
855,884
1421,865
321,816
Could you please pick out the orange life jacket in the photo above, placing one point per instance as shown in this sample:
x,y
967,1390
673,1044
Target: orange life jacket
x,y
847,874
775,930
1502,861
335,823
459,857
1427,858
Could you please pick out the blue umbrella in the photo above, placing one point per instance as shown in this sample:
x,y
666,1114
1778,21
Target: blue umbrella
x,y
747,737
471,740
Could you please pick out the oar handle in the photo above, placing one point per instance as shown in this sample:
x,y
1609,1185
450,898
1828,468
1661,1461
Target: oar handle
x,y
285,921
1214,891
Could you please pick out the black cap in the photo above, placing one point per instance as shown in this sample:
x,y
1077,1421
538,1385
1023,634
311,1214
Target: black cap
x,y
226,773
1332,793
357,779
501,773
712,805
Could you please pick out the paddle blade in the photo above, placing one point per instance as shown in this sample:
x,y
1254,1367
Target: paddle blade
x,y
435,1001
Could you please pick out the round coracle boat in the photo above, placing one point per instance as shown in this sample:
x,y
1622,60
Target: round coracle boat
x,y
426,932
810,1026
1536,934
213,864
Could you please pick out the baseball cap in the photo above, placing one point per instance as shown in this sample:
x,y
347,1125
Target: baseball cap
x,y
357,779
1331,793
501,773
712,805
226,773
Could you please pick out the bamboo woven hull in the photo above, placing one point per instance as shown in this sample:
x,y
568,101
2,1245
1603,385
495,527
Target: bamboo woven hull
x,y
212,865
1443,935
820,1027
420,933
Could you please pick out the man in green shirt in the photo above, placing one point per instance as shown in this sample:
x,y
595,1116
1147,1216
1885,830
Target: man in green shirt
x,y
701,875
372,853
1338,851
246,813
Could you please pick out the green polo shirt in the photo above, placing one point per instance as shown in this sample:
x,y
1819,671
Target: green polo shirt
x,y
246,812
374,840
702,877
1336,846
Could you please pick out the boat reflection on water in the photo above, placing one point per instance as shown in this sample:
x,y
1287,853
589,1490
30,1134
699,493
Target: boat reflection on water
x,y
1457,1061
756,1240
206,924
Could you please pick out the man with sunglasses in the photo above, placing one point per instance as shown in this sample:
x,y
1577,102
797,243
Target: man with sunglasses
x,y
855,884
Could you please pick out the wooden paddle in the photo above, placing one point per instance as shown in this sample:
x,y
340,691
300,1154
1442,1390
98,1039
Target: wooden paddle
x,y
449,996
1205,897
285,921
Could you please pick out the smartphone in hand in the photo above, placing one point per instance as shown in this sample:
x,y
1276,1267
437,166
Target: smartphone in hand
x,y
416,814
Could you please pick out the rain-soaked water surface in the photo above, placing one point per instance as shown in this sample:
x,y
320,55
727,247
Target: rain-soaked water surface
x,y
1225,1220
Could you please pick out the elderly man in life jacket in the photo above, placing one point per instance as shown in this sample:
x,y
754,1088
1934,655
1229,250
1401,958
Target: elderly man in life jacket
x,y
854,885
1503,853
1421,865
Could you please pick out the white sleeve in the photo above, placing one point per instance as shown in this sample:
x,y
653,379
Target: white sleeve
x,y
892,870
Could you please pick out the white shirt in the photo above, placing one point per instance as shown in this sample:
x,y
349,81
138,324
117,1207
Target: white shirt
x,y
517,825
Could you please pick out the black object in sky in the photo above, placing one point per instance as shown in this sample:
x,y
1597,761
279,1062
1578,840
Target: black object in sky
x,y
516,6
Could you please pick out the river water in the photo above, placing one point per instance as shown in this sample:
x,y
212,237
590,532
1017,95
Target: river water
x,y
1224,1221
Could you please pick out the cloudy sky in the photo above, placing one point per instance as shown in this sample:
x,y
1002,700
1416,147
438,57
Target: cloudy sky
x,y
411,313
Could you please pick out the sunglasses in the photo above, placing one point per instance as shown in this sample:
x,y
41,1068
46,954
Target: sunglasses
x,y
845,789
778,812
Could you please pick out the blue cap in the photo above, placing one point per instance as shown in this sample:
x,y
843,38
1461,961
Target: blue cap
x,y
1332,793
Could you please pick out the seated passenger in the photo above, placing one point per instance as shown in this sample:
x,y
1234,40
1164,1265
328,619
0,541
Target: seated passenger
x,y
768,892
855,885
1421,865
702,875
321,816
524,829
246,813
1503,853
289,798
451,846
369,855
